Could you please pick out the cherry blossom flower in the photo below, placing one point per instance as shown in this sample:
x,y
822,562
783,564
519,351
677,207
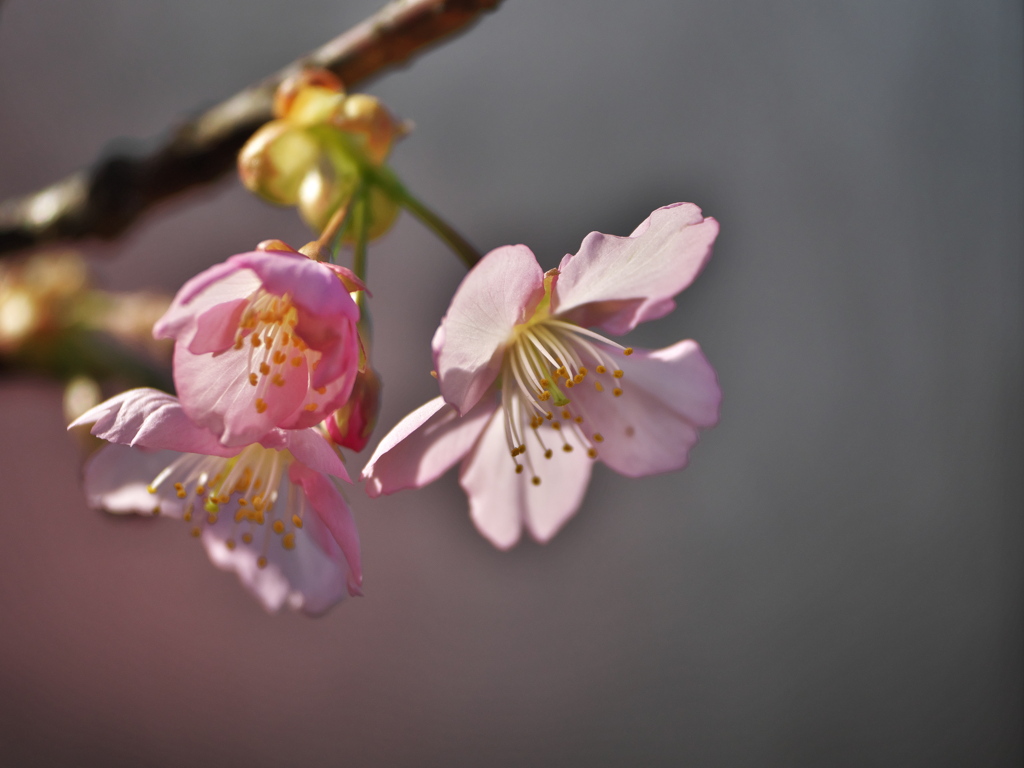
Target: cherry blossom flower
x,y
266,339
269,511
531,395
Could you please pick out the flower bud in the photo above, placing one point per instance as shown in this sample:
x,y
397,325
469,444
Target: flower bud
x,y
315,154
351,425
365,117
284,96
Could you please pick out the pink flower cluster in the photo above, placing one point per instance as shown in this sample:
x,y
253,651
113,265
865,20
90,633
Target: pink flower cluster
x,y
266,346
531,395
268,364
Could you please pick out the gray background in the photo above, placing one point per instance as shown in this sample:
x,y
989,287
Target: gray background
x,y
836,578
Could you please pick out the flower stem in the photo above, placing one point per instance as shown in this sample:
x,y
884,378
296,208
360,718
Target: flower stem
x,y
361,221
386,180
333,227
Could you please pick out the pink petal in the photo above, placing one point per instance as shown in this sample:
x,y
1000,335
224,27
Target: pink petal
x,y
349,278
338,342
618,282
336,516
311,577
217,394
217,285
423,446
116,479
310,448
148,418
498,293
666,396
502,500
311,284
215,328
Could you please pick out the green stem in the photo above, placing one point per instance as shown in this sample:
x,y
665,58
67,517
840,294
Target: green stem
x,y
386,180
362,226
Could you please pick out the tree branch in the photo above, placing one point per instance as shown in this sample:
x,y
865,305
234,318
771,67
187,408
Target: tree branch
x,y
103,201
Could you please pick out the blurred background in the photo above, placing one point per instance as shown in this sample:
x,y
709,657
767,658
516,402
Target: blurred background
x,y
835,580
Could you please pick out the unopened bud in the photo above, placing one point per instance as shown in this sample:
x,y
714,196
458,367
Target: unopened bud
x,y
276,160
284,96
365,117
351,425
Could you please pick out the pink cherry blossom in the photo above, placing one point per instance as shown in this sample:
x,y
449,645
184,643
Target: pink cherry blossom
x,y
531,395
269,511
266,339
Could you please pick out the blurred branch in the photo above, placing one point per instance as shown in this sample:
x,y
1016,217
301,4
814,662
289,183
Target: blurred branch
x,y
104,200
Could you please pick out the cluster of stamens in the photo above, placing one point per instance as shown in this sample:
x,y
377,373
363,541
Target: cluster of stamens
x,y
267,329
245,487
543,362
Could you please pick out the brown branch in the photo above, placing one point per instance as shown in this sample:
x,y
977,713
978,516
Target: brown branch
x,y
103,201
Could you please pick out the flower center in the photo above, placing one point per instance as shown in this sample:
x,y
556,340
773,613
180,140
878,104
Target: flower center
x,y
544,361
267,327
244,489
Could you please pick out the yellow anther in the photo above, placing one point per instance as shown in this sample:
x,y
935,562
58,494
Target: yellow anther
x,y
616,391
321,390
181,493
583,371
188,512
601,369
261,405
200,490
255,340
211,519
179,486
230,543
578,419
156,510
577,378
253,379
258,483
261,562
434,374
239,343
278,380
545,383
592,453
566,414
195,533
278,526
279,357
257,503
297,361
242,502
296,521
535,480
316,364
151,489
548,453
627,351
247,538
556,425
569,383
598,387
519,469
617,374
264,369
548,416
567,448
240,515
311,406
598,437
544,396
288,541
